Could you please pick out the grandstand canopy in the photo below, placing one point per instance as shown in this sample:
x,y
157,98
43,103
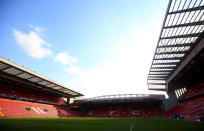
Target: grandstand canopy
x,y
122,98
13,69
181,33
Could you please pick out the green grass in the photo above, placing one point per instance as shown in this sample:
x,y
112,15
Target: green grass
x,y
98,124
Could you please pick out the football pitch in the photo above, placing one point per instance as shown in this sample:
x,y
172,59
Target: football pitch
x,y
98,124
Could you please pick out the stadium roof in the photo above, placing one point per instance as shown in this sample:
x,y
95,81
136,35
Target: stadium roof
x,y
122,97
11,68
181,32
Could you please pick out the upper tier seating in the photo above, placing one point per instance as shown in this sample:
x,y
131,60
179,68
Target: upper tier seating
x,y
29,94
198,90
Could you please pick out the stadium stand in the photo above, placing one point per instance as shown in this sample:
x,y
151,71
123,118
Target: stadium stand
x,y
194,92
24,93
177,66
123,105
177,69
190,109
124,110
192,104
16,108
16,92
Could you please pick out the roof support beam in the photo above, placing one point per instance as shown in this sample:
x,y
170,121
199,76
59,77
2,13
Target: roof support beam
x,y
170,63
156,79
175,45
174,58
19,73
161,71
39,81
46,84
169,53
7,67
157,89
162,68
186,24
157,83
181,36
187,10
30,77
158,76
54,86
158,73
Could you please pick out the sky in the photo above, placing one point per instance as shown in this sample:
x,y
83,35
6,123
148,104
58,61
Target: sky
x,y
95,47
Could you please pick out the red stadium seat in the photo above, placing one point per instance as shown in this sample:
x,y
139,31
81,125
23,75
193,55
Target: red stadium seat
x,y
123,110
30,94
16,108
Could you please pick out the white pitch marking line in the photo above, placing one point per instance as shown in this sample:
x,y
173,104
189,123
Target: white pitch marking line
x,y
131,126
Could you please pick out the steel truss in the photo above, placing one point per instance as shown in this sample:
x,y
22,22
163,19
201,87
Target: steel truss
x,y
182,27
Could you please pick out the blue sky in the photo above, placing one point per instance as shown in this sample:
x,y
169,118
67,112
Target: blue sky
x,y
96,47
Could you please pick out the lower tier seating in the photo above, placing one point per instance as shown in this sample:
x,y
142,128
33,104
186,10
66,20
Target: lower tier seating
x,y
15,108
189,109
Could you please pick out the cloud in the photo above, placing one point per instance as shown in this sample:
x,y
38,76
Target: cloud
x,y
32,43
37,28
65,58
74,70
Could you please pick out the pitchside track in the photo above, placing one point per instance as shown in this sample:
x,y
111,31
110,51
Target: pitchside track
x,y
98,124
